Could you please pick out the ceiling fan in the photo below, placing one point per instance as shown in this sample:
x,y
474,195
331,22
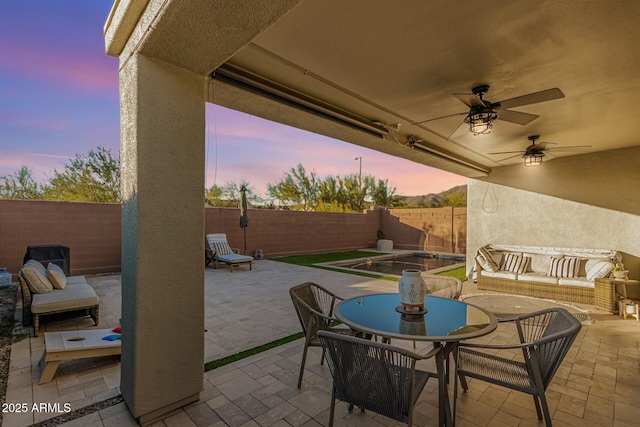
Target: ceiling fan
x,y
483,112
534,153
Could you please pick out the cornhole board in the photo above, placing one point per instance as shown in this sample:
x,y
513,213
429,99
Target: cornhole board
x,y
69,345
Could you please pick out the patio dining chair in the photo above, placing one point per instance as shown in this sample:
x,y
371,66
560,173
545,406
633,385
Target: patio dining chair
x,y
545,338
314,306
374,376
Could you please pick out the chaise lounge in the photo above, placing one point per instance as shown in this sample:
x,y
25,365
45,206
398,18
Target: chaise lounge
x,y
219,251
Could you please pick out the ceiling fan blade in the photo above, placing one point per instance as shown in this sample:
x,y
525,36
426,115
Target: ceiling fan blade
x,y
510,157
516,117
441,117
509,152
544,145
471,100
570,148
532,98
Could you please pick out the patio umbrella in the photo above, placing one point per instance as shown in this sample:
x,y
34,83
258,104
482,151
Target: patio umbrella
x,y
244,219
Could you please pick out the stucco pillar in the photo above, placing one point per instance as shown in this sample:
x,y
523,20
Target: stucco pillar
x,y
162,158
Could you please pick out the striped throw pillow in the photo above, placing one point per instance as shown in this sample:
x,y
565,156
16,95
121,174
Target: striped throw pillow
x,y
563,267
514,263
222,248
489,263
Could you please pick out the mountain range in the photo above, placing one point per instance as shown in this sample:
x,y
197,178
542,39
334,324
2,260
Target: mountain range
x,y
456,196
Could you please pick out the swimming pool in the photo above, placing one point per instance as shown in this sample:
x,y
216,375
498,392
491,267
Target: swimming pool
x,y
423,261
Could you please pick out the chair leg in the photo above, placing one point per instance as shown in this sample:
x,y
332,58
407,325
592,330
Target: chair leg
x,y
333,406
36,324
304,359
545,410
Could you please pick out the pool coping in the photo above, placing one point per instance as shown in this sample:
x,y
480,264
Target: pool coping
x,y
395,254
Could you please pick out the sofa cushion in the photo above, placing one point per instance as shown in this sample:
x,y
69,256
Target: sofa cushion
x,y
515,263
563,267
575,281
76,279
500,274
79,295
598,268
56,276
538,277
490,263
37,282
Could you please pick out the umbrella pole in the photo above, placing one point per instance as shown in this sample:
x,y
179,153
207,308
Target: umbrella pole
x,y
244,229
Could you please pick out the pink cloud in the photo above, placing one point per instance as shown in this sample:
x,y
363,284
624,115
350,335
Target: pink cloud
x,y
72,69
33,122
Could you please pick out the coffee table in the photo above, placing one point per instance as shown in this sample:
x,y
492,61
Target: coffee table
x,y
69,345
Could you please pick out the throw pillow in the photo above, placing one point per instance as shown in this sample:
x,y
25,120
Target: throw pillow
x,y
563,267
598,268
483,263
37,282
222,248
56,276
37,265
514,263
491,264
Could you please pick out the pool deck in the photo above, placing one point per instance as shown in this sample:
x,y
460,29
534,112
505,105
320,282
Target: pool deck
x,y
597,384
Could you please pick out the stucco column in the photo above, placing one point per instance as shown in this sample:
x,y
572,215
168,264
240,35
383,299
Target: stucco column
x,y
162,112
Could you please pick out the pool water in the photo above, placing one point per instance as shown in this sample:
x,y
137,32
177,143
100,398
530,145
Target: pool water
x,y
395,265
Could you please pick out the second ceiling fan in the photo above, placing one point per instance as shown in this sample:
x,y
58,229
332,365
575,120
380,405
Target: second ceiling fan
x,y
483,112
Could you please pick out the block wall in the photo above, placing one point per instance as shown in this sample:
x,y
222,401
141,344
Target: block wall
x,y
93,231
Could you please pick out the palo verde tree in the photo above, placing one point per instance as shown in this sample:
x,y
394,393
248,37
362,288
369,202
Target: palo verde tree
x,y
297,190
20,185
94,177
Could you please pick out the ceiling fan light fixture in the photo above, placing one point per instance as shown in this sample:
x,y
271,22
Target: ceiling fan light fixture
x,y
481,121
533,159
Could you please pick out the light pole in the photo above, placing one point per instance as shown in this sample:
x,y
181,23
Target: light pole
x,y
360,172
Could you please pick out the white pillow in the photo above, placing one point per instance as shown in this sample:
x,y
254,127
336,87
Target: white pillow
x,y
483,263
37,265
489,264
56,276
37,282
598,268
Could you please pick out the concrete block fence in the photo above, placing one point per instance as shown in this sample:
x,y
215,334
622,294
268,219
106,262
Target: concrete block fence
x,y
93,231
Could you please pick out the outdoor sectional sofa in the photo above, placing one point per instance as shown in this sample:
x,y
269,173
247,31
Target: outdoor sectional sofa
x,y
566,274
46,290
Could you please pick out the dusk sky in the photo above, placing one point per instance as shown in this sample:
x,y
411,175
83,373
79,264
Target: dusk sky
x,y
59,98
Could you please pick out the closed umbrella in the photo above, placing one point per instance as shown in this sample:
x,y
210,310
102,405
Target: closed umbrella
x,y
244,219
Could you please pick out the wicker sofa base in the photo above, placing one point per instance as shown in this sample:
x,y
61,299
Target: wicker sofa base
x,y
577,294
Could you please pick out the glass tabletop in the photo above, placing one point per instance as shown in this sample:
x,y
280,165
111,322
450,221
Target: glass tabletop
x,y
445,319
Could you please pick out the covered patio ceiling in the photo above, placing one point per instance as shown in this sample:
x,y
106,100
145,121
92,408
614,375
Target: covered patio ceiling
x,y
385,65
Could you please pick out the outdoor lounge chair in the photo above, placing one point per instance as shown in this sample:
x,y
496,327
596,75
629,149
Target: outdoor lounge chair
x,y
314,306
545,339
219,251
374,376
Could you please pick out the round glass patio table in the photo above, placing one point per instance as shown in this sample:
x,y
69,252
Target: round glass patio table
x,y
445,323
446,320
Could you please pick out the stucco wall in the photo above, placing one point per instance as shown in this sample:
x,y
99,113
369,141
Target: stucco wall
x,y
500,214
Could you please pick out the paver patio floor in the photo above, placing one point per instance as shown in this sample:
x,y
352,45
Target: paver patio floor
x,y
597,385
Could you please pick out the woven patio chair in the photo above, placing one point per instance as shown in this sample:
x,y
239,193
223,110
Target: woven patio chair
x,y
545,338
374,376
314,306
